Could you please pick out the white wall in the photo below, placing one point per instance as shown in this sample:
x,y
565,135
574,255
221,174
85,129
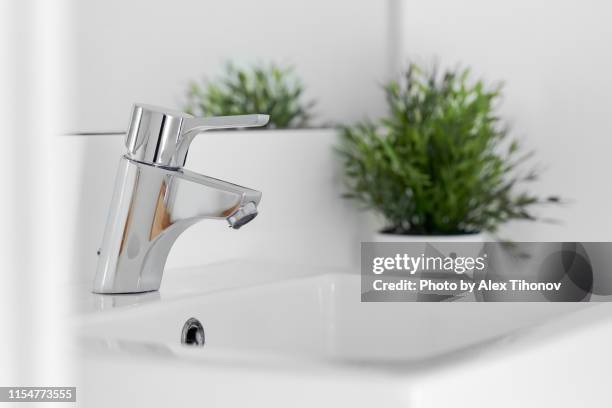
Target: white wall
x,y
556,60
147,51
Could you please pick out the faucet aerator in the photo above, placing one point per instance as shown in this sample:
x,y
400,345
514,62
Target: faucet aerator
x,y
243,215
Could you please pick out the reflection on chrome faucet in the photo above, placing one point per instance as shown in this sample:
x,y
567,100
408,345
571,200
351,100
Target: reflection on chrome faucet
x,y
156,199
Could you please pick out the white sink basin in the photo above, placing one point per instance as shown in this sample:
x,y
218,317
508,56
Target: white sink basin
x,y
316,323
322,316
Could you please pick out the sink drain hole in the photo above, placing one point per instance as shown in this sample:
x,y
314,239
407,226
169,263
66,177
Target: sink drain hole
x,y
193,333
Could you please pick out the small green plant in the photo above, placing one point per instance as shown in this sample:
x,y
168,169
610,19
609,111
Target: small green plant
x,y
442,161
270,89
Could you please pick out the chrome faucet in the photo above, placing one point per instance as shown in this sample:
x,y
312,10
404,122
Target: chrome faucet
x,y
156,199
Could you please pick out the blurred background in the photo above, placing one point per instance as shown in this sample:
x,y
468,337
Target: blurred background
x,y
149,51
79,66
552,56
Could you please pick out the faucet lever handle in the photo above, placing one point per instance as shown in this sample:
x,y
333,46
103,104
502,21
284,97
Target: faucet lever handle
x,y
162,136
195,125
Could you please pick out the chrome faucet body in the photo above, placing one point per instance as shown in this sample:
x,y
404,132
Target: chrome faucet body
x,y
156,199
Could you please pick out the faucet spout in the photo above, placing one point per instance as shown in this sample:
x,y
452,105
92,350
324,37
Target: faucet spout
x,y
156,199
151,207
192,195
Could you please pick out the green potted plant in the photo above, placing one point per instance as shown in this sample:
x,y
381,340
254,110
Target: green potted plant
x,y
262,88
441,166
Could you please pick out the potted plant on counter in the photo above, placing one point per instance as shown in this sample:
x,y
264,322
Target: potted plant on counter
x,y
441,166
